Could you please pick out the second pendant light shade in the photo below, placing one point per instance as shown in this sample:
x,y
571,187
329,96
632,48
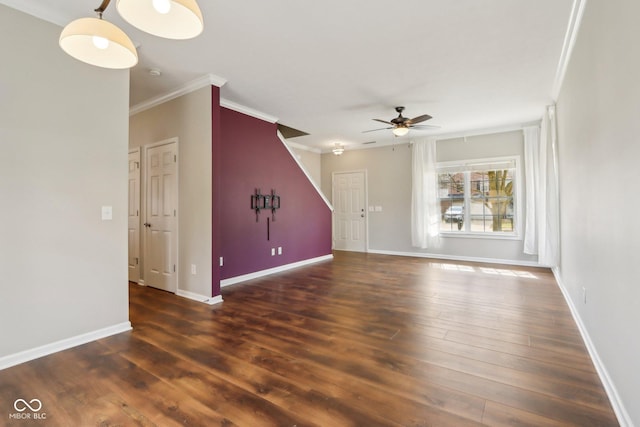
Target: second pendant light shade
x,y
172,19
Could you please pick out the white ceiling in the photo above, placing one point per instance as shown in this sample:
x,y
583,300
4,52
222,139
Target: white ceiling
x,y
328,67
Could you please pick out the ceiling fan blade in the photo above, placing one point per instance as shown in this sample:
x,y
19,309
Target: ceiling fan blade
x,y
419,119
424,127
375,130
383,121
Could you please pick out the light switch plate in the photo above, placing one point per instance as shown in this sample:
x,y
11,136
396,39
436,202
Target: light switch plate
x,y
107,213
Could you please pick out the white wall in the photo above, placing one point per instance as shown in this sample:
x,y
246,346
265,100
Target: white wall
x,y
311,160
599,150
389,185
63,155
188,118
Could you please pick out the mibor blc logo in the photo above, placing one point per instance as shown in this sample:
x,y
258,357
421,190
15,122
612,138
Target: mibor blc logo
x,y
28,410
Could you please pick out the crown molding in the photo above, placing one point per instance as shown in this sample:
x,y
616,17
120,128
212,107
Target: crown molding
x,y
577,11
441,137
206,80
247,110
485,131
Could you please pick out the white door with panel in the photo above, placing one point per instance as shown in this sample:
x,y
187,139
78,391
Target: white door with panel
x,y
350,216
161,217
134,215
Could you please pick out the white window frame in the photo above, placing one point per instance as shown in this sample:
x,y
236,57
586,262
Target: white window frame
x,y
516,234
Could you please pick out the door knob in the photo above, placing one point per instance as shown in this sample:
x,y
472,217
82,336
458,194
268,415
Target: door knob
x,y
146,224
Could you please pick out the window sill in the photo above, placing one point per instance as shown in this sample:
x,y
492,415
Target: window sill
x,y
491,236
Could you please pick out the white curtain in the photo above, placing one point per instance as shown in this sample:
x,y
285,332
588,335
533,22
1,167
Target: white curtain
x,y
425,204
549,252
542,222
532,147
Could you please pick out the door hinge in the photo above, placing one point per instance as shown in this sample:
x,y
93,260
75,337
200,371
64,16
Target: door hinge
x,y
137,165
174,268
175,158
137,212
136,261
174,212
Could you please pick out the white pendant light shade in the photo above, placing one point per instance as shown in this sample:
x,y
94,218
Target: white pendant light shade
x,y
98,42
400,131
171,19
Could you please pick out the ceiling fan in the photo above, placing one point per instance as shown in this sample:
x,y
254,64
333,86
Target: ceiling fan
x,y
400,125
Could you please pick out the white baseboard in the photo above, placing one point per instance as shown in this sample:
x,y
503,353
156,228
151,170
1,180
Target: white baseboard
x,y
200,298
616,402
459,258
233,280
47,349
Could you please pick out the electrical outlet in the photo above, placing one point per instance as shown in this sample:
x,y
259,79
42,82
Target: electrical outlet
x,y
193,269
279,250
273,251
584,295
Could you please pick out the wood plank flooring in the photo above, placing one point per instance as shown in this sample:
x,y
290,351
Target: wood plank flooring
x,y
363,340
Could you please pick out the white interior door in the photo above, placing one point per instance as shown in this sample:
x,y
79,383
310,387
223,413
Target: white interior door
x,y
350,216
134,215
161,205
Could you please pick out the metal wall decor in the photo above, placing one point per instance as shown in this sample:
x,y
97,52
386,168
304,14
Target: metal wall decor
x,y
261,201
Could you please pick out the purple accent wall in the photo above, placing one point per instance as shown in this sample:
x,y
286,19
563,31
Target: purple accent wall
x,y
254,157
216,173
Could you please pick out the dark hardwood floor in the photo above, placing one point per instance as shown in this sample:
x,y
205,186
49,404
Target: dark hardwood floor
x,y
363,340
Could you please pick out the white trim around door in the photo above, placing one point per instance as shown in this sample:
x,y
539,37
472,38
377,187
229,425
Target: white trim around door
x,y
160,207
350,213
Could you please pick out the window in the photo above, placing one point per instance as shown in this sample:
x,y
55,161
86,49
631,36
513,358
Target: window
x,y
478,197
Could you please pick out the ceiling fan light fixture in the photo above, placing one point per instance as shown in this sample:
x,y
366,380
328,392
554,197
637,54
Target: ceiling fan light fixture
x,y
400,130
338,150
98,42
171,19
